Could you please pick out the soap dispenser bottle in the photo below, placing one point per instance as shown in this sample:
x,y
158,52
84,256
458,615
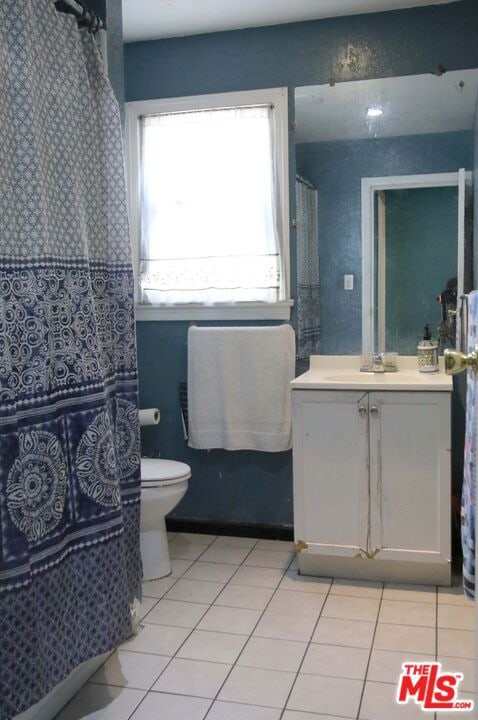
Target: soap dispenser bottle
x,y
427,352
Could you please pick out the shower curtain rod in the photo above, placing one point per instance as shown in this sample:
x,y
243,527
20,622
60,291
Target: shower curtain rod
x,y
88,17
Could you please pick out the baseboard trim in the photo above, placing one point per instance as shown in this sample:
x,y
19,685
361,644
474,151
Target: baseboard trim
x,y
255,530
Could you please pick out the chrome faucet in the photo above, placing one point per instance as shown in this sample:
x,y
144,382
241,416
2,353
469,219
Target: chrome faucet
x,y
379,362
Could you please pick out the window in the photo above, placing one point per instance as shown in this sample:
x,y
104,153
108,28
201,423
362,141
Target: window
x,y
209,206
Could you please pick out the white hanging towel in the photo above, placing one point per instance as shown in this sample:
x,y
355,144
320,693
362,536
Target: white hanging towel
x,y
238,387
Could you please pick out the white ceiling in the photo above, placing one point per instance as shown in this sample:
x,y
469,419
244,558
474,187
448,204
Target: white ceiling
x,y
148,19
411,105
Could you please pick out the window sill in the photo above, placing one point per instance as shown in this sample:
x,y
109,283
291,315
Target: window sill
x,y
236,311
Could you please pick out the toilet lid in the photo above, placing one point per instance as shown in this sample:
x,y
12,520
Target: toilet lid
x,y
163,472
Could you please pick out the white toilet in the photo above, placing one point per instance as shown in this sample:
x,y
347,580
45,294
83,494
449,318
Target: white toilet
x,y
163,484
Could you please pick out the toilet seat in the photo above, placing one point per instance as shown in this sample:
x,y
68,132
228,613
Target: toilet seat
x,y
160,473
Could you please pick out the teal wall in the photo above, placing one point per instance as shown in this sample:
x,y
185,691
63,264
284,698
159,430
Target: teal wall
x,y
256,487
225,486
421,256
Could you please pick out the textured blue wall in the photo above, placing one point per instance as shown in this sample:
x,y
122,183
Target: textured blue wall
x,y
225,486
256,487
404,42
336,170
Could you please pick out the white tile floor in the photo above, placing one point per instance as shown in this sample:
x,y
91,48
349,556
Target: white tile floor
x,y
236,634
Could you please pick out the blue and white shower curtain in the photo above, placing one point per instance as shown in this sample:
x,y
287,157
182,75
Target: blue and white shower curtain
x,y
308,284
69,444
470,464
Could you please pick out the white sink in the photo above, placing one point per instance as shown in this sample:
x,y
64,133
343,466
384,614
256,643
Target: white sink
x,y
365,378
342,373
361,377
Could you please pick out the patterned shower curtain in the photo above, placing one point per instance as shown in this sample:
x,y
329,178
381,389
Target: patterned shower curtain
x,y
69,447
308,285
470,463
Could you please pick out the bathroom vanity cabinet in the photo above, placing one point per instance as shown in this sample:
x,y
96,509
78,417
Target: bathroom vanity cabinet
x,y
372,483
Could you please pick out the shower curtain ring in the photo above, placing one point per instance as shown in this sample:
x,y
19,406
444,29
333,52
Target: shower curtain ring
x,y
94,24
82,17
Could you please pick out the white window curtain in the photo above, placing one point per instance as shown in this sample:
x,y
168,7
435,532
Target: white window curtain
x,y
208,208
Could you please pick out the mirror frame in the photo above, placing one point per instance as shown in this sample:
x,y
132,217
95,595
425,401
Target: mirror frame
x,y
370,186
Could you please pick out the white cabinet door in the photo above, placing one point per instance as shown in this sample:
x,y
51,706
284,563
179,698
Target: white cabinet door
x,y
410,448
331,478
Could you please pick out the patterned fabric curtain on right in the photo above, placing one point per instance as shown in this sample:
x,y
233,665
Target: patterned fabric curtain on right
x,y
308,286
469,479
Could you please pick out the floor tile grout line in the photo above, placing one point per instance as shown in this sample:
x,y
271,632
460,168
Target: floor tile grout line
x,y
138,705
370,654
309,643
206,611
170,657
149,692
232,702
225,632
170,575
283,571
244,565
233,607
180,577
292,591
250,635
234,665
173,656
227,582
107,686
411,602
268,637
143,619
308,712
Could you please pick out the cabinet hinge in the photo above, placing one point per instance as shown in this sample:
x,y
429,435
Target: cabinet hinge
x,y
300,545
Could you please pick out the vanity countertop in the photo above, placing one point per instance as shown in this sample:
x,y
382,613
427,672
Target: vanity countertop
x,y
341,372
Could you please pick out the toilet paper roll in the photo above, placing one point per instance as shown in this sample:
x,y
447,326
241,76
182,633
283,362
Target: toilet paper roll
x,y
149,416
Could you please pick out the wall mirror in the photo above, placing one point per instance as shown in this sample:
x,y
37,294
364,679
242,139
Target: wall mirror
x,y
389,161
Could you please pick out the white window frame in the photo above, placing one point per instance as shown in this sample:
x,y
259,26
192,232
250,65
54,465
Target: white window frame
x,y
278,98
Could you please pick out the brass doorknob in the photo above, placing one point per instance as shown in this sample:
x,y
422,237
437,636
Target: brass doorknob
x,y
457,362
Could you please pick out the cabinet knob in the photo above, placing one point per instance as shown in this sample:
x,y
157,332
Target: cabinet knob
x,y
362,410
374,410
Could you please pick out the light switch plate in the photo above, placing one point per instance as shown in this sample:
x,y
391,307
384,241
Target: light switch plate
x,y
348,282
